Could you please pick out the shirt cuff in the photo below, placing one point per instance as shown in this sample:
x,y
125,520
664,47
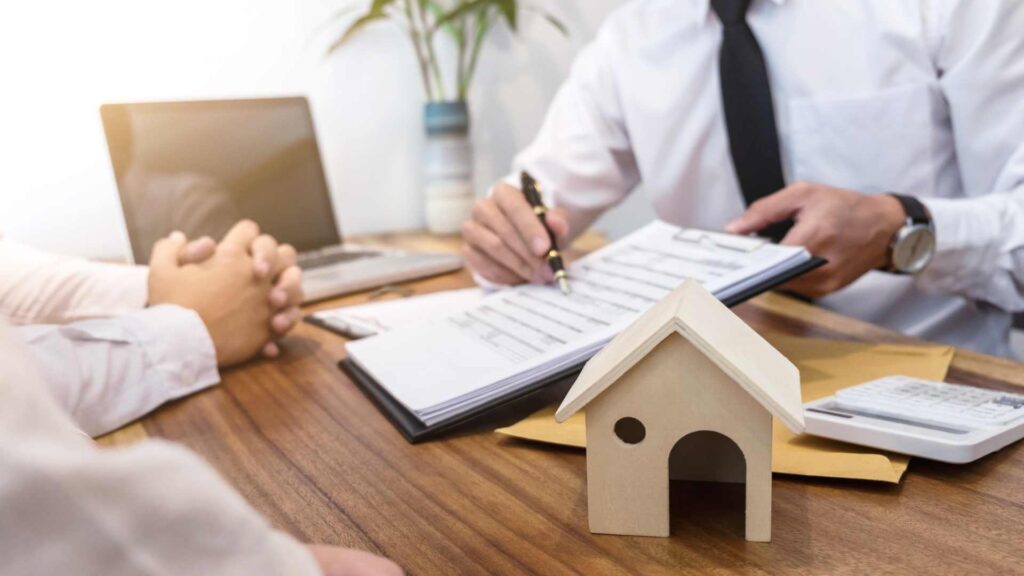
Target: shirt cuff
x,y
178,348
966,244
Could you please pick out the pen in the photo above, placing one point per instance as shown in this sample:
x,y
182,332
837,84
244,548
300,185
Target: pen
x,y
532,192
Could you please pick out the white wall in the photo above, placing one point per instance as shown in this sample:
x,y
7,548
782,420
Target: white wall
x,y
62,58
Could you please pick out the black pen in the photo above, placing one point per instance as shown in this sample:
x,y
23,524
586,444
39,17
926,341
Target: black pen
x,y
532,192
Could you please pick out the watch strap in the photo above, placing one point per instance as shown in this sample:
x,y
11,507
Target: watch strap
x,y
914,208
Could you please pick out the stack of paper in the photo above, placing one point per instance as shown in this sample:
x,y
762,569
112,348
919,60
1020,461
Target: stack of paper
x,y
448,365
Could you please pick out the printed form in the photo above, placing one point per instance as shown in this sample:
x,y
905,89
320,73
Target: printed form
x,y
446,365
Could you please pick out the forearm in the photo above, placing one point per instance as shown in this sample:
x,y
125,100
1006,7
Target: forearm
x,y
41,288
106,373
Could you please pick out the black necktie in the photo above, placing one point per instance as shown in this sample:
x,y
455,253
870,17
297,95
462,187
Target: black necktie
x,y
749,115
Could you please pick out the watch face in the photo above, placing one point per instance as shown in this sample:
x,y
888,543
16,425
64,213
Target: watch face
x,y
913,249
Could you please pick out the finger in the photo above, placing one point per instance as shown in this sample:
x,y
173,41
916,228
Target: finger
x,y
487,213
558,223
288,289
264,255
777,207
271,350
283,322
241,236
488,268
286,258
165,251
544,275
518,211
803,233
488,242
197,251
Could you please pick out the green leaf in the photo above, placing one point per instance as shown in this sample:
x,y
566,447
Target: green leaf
x,y
549,17
558,24
510,10
378,11
380,5
462,10
455,28
356,26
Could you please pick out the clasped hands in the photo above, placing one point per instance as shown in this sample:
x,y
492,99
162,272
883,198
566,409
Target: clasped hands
x,y
247,289
505,243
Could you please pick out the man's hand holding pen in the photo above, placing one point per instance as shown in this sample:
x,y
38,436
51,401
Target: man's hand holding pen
x,y
505,240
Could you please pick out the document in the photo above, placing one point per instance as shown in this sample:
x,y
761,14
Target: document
x,y
448,364
362,320
825,367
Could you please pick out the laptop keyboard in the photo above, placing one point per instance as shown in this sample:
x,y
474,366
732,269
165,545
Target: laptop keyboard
x,y
319,260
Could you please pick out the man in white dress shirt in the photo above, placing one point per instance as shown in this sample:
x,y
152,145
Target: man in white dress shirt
x,y
896,129
119,341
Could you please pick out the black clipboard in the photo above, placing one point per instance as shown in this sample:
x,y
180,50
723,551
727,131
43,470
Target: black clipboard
x,y
416,431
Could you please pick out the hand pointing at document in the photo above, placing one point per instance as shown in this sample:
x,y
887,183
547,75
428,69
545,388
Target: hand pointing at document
x,y
851,230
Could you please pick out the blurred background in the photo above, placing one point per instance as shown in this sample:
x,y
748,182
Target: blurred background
x,y
58,190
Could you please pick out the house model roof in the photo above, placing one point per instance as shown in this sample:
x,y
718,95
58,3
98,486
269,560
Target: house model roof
x,y
695,314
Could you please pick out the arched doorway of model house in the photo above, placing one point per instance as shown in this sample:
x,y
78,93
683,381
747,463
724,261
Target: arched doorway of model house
x,y
707,485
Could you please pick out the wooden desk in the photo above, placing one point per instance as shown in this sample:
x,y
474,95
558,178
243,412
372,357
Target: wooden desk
x,y
308,450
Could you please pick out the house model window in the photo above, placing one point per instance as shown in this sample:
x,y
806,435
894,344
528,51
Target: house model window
x,y
630,430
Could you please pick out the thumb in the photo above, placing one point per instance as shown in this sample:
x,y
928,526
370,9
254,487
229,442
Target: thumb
x,y
165,252
778,207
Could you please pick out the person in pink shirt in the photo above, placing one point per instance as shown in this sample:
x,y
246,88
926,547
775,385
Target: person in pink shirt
x,y
98,345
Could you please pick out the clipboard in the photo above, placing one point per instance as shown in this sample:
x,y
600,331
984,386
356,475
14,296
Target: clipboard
x,y
415,431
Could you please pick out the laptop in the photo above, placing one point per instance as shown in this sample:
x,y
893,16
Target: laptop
x,y
200,167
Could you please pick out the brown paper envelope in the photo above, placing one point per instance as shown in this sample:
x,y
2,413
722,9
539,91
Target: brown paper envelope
x,y
825,367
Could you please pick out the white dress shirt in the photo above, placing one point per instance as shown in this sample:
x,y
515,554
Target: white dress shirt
x,y
106,358
918,97
69,507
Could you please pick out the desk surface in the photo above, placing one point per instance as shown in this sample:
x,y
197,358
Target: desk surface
x,y
308,450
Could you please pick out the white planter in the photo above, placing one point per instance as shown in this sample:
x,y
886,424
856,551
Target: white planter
x,y
447,167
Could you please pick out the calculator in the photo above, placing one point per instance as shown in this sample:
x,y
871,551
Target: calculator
x,y
935,420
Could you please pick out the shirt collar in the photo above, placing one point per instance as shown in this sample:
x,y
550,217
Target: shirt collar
x,y
705,7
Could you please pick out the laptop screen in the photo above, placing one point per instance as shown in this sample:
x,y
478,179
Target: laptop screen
x,y
199,167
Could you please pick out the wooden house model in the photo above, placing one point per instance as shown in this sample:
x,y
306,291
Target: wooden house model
x,y
687,391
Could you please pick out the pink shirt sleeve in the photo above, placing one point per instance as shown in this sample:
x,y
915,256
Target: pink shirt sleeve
x,y
41,288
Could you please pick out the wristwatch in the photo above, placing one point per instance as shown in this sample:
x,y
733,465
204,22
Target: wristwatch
x,y
913,246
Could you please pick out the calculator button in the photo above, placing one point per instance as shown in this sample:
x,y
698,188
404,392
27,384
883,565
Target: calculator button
x,y
1016,402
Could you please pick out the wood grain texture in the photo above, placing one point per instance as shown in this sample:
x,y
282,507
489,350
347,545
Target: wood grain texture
x,y
307,449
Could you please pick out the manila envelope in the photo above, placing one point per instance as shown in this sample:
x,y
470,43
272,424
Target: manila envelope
x,y
825,367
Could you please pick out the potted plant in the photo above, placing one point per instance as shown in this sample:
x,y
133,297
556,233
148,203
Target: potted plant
x,y
448,156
